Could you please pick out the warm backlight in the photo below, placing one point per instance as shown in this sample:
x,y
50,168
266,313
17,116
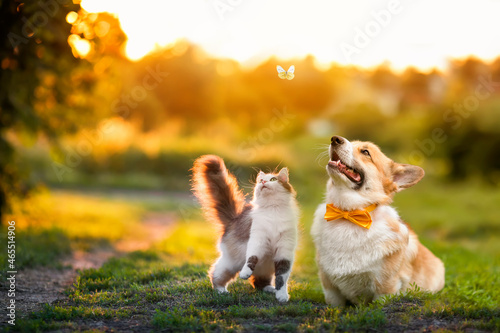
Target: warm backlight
x,y
424,33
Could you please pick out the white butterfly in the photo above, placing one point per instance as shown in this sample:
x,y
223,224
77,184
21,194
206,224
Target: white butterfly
x,y
286,74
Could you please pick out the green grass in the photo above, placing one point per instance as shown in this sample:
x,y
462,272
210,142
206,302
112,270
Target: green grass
x,y
466,214
38,247
166,288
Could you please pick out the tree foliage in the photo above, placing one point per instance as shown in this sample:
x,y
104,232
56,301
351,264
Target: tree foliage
x,y
45,86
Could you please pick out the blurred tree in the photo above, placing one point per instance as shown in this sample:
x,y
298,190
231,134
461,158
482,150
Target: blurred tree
x,y
384,79
43,86
416,88
361,121
34,41
181,87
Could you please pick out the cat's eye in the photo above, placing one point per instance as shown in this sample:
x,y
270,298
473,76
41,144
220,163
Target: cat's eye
x,y
365,152
273,179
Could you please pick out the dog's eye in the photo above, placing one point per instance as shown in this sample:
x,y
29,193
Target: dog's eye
x,y
365,152
273,179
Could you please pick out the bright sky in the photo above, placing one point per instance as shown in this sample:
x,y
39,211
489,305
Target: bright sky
x,y
422,33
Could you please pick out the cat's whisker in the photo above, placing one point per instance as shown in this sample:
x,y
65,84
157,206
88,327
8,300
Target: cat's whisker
x,y
276,170
257,170
249,186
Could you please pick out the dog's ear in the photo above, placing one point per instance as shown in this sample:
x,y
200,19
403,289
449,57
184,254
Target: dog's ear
x,y
406,175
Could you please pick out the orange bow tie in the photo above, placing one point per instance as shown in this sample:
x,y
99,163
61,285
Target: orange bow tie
x,y
359,217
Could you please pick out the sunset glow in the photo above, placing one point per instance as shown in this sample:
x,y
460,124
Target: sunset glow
x,y
80,46
422,33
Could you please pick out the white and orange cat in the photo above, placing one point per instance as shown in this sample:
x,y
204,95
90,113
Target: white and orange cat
x,y
258,238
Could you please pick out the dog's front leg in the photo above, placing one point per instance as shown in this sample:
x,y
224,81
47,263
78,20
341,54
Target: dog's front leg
x,y
333,296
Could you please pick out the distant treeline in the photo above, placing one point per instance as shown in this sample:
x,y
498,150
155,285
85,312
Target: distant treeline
x,y
451,116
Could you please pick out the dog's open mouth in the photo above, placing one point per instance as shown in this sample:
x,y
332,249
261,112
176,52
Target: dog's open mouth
x,y
341,167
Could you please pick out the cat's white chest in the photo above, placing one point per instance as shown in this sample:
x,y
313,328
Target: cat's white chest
x,y
274,223
272,219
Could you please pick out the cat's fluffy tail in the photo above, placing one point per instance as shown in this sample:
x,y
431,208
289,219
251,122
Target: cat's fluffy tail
x,y
217,190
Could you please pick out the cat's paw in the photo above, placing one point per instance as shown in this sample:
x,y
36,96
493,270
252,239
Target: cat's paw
x,y
269,289
282,296
222,290
245,273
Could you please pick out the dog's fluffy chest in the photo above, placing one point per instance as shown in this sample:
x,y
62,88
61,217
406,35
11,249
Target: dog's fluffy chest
x,y
346,249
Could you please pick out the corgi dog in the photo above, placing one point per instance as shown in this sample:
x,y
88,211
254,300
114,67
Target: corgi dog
x,y
363,248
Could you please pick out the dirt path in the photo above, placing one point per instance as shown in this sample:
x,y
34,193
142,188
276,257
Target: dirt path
x,y
156,227
39,286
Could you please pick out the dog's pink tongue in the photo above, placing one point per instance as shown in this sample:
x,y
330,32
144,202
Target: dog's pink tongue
x,y
353,175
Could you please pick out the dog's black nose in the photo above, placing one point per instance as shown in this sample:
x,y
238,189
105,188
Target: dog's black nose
x,y
337,140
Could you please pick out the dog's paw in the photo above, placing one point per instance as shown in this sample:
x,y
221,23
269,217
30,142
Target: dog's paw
x,y
269,289
245,273
282,296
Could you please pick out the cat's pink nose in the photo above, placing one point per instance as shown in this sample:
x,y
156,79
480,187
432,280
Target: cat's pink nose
x,y
263,181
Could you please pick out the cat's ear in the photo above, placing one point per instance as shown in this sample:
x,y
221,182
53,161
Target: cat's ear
x,y
283,175
261,174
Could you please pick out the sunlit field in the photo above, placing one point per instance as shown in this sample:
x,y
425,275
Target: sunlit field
x,y
165,286
105,105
